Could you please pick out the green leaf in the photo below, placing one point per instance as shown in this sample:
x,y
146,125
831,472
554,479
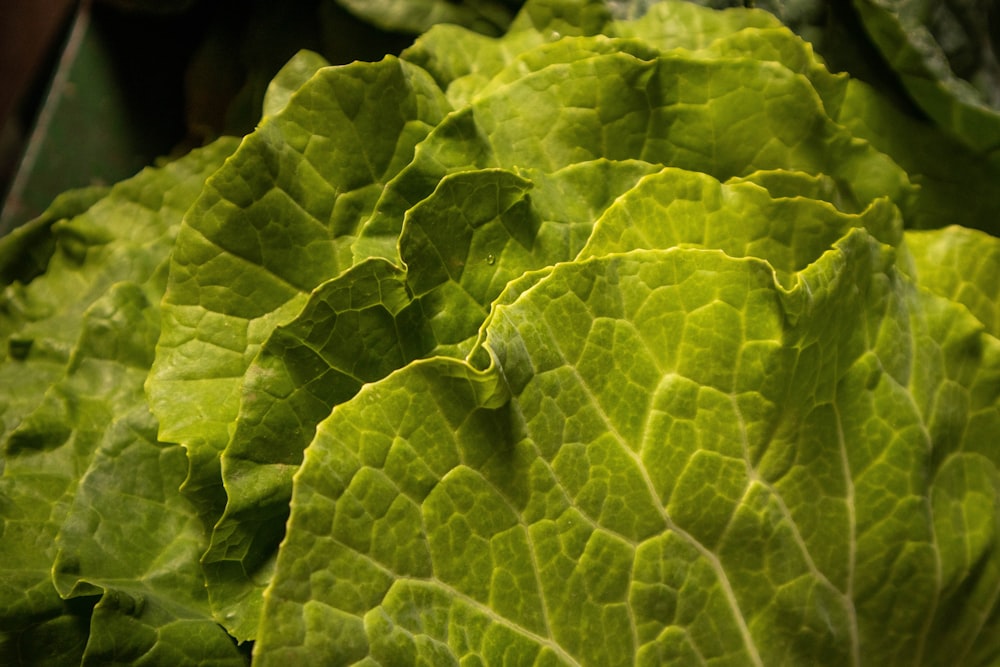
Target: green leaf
x,y
955,181
666,481
25,252
962,265
690,209
633,336
922,41
128,534
955,191
295,73
686,25
637,108
305,368
281,214
62,366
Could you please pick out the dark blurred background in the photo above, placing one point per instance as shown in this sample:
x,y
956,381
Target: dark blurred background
x,y
29,33
91,91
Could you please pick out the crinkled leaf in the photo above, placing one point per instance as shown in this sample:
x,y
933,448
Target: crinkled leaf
x,y
677,473
461,246
956,183
956,191
128,534
683,208
61,368
25,252
638,108
600,342
281,215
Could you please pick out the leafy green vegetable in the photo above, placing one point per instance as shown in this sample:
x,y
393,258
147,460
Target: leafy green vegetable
x,y
91,501
945,54
680,516
634,335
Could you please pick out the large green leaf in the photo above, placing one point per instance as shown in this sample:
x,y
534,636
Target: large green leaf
x,y
449,180
670,457
636,108
684,208
954,191
128,533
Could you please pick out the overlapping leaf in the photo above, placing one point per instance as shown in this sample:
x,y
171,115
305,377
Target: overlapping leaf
x,y
945,55
670,458
531,117
277,352
601,342
79,437
281,214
